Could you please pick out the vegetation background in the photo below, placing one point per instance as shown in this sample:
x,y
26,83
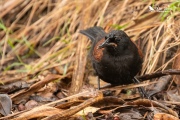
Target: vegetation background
x,y
40,41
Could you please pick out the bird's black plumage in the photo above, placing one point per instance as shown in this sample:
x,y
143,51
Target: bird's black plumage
x,y
115,58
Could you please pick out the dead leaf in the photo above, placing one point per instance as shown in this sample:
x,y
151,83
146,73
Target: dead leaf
x,y
38,112
9,88
161,84
164,116
87,110
5,104
152,103
35,87
173,95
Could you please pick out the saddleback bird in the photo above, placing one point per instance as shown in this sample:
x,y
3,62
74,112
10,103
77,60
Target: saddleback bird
x,y
115,58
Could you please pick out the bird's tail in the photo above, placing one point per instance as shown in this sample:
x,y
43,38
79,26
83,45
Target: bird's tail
x,y
94,33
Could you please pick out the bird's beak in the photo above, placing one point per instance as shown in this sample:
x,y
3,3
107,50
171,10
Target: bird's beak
x,y
107,43
104,44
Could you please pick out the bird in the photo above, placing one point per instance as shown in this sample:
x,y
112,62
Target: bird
x,y
115,58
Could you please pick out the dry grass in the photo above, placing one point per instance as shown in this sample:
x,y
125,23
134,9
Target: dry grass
x,y
37,36
40,35
43,35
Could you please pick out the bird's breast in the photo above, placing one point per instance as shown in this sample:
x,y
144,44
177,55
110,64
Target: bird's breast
x,y
98,53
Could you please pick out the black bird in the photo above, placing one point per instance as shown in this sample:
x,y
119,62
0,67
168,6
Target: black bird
x,y
115,58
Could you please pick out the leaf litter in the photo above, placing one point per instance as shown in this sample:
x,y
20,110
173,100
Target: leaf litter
x,y
46,74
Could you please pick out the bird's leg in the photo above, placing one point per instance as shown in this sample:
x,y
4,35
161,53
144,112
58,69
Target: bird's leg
x,y
98,81
141,89
101,87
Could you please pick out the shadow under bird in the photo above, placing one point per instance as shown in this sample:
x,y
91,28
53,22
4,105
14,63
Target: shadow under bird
x,y
115,58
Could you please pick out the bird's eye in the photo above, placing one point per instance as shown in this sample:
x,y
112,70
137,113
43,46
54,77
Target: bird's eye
x,y
116,39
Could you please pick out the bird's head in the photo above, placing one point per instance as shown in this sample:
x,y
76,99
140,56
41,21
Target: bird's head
x,y
116,40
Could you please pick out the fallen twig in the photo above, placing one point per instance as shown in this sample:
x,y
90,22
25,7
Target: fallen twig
x,y
159,74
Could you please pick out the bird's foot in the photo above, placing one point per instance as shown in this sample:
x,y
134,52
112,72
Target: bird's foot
x,y
141,89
